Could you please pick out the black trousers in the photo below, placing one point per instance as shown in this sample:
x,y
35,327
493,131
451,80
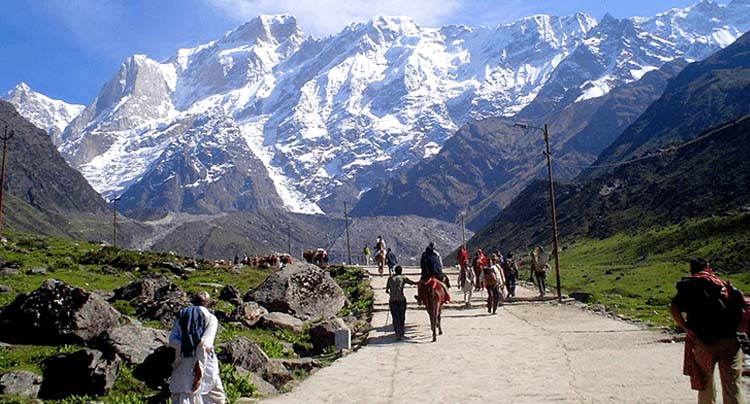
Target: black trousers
x,y
398,312
541,278
493,297
510,277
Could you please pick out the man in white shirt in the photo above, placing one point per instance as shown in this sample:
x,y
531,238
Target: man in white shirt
x,y
195,374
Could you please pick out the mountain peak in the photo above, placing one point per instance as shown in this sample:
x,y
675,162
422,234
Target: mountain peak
x,y
266,28
393,23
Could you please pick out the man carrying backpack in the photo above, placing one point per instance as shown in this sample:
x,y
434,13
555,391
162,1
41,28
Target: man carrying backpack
x,y
493,280
716,325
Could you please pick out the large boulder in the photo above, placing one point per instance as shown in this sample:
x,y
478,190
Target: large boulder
x,y
154,298
248,313
156,368
323,335
230,294
84,372
20,383
56,314
244,353
282,321
133,343
300,289
263,387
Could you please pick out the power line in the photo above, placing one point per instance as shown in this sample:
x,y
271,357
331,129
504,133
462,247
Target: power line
x,y
671,149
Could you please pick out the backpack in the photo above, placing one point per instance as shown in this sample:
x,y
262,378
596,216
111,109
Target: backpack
x,y
711,313
490,279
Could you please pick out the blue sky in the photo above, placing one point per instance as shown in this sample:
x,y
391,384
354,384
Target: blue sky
x,y
68,49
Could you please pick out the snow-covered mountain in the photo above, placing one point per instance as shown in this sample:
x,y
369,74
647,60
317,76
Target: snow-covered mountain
x,y
44,112
330,117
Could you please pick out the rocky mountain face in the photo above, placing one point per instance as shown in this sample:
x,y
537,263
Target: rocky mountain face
x,y
42,111
488,162
329,118
699,173
706,94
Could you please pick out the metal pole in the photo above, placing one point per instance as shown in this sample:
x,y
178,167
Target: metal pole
x,y
6,137
289,236
348,243
555,247
463,231
114,221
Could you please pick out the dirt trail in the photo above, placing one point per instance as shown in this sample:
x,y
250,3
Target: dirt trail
x,y
526,353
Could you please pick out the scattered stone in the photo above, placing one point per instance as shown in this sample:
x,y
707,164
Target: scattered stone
x,y
133,343
244,353
599,308
248,313
5,289
246,400
20,383
56,314
277,374
176,268
84,372
154,298
36,271
581,296
156,368
282,321
230,294
307,364
301,289
210,285
264,388
323,335
9,272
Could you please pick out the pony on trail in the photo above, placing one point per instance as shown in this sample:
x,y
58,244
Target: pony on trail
x,y
434,295
380,260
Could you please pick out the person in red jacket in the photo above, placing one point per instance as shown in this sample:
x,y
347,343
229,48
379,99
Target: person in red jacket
x,y
463,261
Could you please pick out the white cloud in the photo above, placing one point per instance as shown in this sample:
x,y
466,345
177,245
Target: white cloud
x,y
323,17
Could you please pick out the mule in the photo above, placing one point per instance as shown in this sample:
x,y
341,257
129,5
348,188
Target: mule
x,y
380,260
466,284
434,296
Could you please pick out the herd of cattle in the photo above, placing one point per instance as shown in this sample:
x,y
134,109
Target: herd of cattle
x,y
318,257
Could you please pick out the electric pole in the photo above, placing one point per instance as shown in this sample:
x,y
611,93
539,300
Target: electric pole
x,y
463,231
5,138
348,243
289,236
115,198
553,208
555,246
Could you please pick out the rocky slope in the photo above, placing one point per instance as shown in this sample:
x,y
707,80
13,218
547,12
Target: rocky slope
x,y
692,163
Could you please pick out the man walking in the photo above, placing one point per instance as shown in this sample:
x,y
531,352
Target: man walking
x,y
717,319
366,255
391,261
397,301
195,374
492,278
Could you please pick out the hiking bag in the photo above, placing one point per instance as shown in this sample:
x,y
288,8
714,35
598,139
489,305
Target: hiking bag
x,y
490,279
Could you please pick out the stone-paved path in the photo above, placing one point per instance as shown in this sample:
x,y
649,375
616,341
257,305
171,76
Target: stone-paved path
x,y
526,353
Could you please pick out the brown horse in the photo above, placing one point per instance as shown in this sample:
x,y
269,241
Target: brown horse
x,y
380,260
434,295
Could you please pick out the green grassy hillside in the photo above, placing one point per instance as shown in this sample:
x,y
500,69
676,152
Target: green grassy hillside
x,y
634,274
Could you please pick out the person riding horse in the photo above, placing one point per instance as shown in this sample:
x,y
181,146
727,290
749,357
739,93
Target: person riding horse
x,y
432,292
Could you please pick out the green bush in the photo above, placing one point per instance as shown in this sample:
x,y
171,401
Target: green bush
x,y
235,385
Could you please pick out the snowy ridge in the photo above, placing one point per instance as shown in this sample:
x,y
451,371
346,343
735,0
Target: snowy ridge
x,y
44,112
330,117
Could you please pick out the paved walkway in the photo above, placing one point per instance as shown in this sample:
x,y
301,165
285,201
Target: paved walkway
x,y
527,353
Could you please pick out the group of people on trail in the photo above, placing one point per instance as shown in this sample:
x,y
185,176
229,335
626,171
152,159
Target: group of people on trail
x,y
716,328
498,276
383,256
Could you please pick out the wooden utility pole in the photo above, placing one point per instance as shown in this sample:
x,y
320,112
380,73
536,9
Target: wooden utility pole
x,y
463,231
5,138
289,236
114,219
348,243
553,208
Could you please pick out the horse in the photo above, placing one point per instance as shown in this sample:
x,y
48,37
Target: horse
x,y
434,296
380,260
